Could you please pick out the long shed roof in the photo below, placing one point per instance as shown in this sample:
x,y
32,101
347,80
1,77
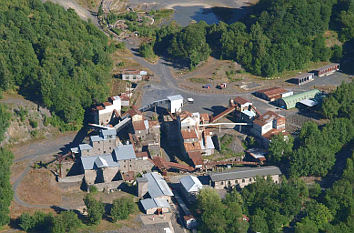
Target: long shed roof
x,y
245,172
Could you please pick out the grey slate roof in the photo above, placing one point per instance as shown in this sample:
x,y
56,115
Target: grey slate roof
x,y
85,147
99,161
109,132
191,183
157,186
96,138
245,172
150,203
124,152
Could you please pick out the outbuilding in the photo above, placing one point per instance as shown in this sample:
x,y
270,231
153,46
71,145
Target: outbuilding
x,y
291,101
303,79
327,70
273,93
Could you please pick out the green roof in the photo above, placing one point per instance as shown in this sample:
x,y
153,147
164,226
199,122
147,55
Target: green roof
x,y
290,101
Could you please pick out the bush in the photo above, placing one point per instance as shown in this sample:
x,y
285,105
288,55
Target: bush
x,y
39,222
95,209
93,189
122,208
33,123
22,113
67,221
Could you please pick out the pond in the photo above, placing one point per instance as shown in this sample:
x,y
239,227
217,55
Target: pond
x,y
185,14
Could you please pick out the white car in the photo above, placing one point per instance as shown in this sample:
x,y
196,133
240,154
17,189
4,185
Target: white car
x,y
190,100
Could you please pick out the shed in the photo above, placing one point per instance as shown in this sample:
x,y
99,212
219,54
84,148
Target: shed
x,y
290,101
153,205
191,184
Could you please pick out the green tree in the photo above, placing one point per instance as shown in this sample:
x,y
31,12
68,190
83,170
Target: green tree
x,y
122,208
212,212
306,226
280,148
6,193
5,117
258,222
319,214
66,221
95,209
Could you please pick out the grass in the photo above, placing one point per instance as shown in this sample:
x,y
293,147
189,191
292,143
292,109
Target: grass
x,y
162,14
197,80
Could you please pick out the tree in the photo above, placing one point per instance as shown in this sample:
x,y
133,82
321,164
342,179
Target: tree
x,y
66,221
212,211
330,107
5,117
258,222
95,209
319,214
279,148
122,208
6,193
306,226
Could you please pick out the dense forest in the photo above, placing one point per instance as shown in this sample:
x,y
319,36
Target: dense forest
x,y
292,204
6,193
53,57
277,36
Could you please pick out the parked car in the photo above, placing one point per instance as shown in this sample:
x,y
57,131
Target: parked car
x,y
190,100
207,86
221,85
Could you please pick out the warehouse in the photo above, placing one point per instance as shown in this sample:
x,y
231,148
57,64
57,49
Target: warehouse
x,y
273,93
302,79
243,176
291,101
327,70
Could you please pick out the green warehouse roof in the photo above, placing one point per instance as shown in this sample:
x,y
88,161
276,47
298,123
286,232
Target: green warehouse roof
x,y
290,101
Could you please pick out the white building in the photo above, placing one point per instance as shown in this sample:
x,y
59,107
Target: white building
x,y
105,111
176,103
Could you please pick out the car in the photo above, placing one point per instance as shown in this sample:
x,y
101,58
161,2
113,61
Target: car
x,y
207,86
190,100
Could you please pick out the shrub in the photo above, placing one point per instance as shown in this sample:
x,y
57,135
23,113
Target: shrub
x,y
95,209
122,208
33,123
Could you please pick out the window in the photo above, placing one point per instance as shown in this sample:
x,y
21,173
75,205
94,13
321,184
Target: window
x,y
243,180
222,182
250,179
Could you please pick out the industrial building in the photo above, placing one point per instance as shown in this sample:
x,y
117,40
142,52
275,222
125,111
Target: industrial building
x,y
291,101
133,75
303,79
243,176
267,125
104,112
327,70
273,93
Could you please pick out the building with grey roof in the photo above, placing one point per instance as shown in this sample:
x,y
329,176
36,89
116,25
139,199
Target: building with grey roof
x,y
124,152
99,161
155,186
155,205
243,176
190,187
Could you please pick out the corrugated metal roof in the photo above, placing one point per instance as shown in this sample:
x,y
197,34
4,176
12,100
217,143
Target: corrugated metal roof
x,y
150,203
245,172
157,186
124,152
191,183
290,101
99,161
